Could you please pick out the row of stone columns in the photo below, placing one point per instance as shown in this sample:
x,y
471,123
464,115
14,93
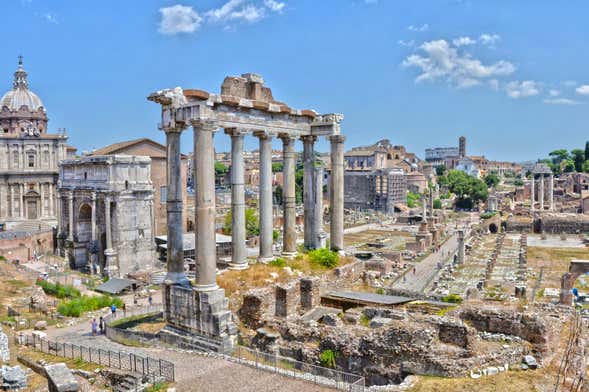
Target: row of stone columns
x,y
541,192
204,175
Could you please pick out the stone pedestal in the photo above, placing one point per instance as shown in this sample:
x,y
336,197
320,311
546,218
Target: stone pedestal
x,y
111,269
285,300
200,319
310,296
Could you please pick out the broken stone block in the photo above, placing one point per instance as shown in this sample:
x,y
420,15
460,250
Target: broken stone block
x,y
61,379
252,310
41,325
378,322
310,296
286,300
13,377
331,320
530,362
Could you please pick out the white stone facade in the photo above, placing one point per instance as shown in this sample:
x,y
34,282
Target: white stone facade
x,y
106,213
29,158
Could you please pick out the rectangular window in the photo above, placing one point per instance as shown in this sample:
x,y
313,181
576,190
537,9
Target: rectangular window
x,y
163,194
31,160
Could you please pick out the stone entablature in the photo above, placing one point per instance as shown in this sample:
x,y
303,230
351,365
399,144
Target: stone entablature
x,y
106,213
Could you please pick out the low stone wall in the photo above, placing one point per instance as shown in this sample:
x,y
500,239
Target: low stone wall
x,y
21,245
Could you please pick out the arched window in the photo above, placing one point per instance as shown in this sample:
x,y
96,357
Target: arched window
x,y
85,213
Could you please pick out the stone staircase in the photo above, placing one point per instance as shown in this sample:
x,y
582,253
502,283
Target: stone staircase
x,y
192,341
158,277
32,225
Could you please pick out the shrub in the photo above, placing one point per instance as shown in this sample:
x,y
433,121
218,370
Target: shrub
x,y
279,262
58,290
324,257
437,204
77,306
487,215
327,358
380,291
452,299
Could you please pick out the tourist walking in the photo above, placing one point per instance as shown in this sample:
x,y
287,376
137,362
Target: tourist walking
x,y
101,325
113,309
150,300
124,309
94,326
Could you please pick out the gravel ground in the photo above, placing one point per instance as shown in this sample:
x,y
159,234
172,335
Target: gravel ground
x,y
194,372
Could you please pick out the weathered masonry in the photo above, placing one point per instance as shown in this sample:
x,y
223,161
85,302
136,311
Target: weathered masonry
x,y
245,106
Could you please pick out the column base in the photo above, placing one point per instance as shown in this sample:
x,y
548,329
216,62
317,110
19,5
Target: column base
x,y
111,269
205,287
239,266
177,279
265,259
289,255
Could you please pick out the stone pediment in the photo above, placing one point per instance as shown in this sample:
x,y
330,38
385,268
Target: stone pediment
x,y
32,193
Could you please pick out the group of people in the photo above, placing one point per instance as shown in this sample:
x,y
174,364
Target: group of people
x,y
100,325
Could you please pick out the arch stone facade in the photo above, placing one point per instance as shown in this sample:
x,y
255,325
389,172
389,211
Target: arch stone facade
x,y
576,269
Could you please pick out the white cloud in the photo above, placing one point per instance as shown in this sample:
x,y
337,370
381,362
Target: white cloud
x,y
419,29
406,43
554,93
489,39
442,61
560,101
463,41
524,89
50,17
233,10
274,5
583,90
179,19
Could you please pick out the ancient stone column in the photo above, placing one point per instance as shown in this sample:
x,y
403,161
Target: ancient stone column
x,y
461,246
93,230
11,212
308,191
51,200
289,247
22,200
58,212
204,176
336,196
265,198
109,252
238,234
175,248
70,236
42,193
532,191
551,192
318,210
541,192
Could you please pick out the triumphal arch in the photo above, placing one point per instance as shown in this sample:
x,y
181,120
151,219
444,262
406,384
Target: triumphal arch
x,y
244,107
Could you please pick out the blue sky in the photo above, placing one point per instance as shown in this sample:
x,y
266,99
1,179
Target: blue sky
x,y
510,76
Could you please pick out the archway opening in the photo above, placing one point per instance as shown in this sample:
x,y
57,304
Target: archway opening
x,y
493,228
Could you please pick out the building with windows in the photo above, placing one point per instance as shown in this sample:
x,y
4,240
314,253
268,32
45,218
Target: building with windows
x,y
157,153
29,159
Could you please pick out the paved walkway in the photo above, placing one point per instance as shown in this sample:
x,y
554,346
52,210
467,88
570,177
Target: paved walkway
x,y
427,269
193,372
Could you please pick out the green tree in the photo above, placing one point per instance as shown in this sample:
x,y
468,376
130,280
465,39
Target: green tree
x,y
568,166
277,167
437,204
587,150
441,170
578,159
468,189
491,180
559,155
221,169
518,182
252,223
278,195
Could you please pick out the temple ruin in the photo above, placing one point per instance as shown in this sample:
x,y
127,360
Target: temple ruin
x,y
244,106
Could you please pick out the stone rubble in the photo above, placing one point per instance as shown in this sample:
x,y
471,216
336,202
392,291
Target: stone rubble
x,y
13,377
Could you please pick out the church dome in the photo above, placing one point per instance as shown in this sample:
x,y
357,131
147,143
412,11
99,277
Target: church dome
x,y
20,95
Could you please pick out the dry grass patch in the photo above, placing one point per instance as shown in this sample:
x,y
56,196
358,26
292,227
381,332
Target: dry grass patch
x,y
508,381
554,261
